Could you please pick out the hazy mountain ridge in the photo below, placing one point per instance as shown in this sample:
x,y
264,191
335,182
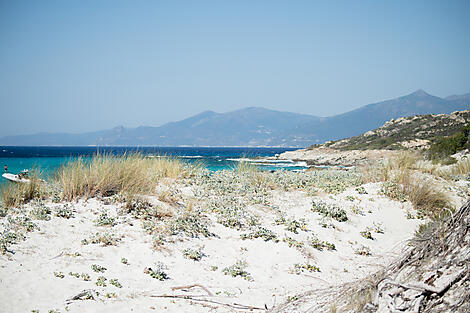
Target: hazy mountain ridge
x,y
254,126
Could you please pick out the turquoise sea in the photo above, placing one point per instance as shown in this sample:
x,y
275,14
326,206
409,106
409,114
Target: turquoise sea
x,y
48,159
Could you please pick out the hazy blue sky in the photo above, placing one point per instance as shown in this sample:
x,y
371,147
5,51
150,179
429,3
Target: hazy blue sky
x,y
74,66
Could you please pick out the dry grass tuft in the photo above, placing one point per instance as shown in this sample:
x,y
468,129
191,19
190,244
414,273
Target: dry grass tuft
x,y
403,181
107,175
462,167
427,196
14,194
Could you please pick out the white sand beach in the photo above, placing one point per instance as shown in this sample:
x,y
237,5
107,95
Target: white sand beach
x,y
282,242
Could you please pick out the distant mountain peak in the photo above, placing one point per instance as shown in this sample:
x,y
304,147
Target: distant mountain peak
x,y
420,93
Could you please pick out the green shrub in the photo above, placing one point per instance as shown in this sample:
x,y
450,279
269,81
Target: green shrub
x,y
193,254
329,211
261,232
238,269
445,146
158,272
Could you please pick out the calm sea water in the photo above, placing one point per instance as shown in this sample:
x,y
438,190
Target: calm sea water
x,y
48,159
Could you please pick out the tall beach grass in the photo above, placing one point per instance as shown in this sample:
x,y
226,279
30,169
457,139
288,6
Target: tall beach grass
x,y
404,178
106,175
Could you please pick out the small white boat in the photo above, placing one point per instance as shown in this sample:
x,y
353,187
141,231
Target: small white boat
x,y
22,177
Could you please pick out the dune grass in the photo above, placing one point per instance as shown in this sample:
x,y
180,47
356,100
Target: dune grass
x,y
404,180
106,175
462,167
15,194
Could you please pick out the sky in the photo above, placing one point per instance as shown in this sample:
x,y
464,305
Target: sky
x,y
77,66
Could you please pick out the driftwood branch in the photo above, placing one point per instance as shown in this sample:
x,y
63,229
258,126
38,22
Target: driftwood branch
x,y
192,286
237,306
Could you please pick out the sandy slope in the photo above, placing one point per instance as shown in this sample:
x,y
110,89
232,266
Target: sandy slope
x,y
27,279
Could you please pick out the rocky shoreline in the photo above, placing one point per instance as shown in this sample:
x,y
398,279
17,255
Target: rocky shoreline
x,y
323,156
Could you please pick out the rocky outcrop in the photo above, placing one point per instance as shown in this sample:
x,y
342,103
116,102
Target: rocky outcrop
x,y
406,132
331,157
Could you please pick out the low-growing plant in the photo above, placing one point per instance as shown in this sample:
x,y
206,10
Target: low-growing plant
x,y
231,210
361,190
124,261
193,254
378,228
98,268
330,211
64,211
3,210
318,244
105,220
59,274
106,238
191,224
7,238
299,268
168,196
393,191
357,210
362,250
85,276
24,223
110,295
367,234
101,281
293,225
115,283
149,226
291,242
77,275
158,272
40,211
238,269
326,222
261,232
158,240
140,208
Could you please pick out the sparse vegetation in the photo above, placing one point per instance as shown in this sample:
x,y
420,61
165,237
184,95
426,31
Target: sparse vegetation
x,y
64,211
115,283
191,224
101,281
238,269
318,244
193,254
105,238
158,272
98,268
299,268
40,211
291,242
105,220
329,211
261,232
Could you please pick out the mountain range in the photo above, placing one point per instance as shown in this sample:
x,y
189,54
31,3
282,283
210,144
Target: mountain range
x,y
254,126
